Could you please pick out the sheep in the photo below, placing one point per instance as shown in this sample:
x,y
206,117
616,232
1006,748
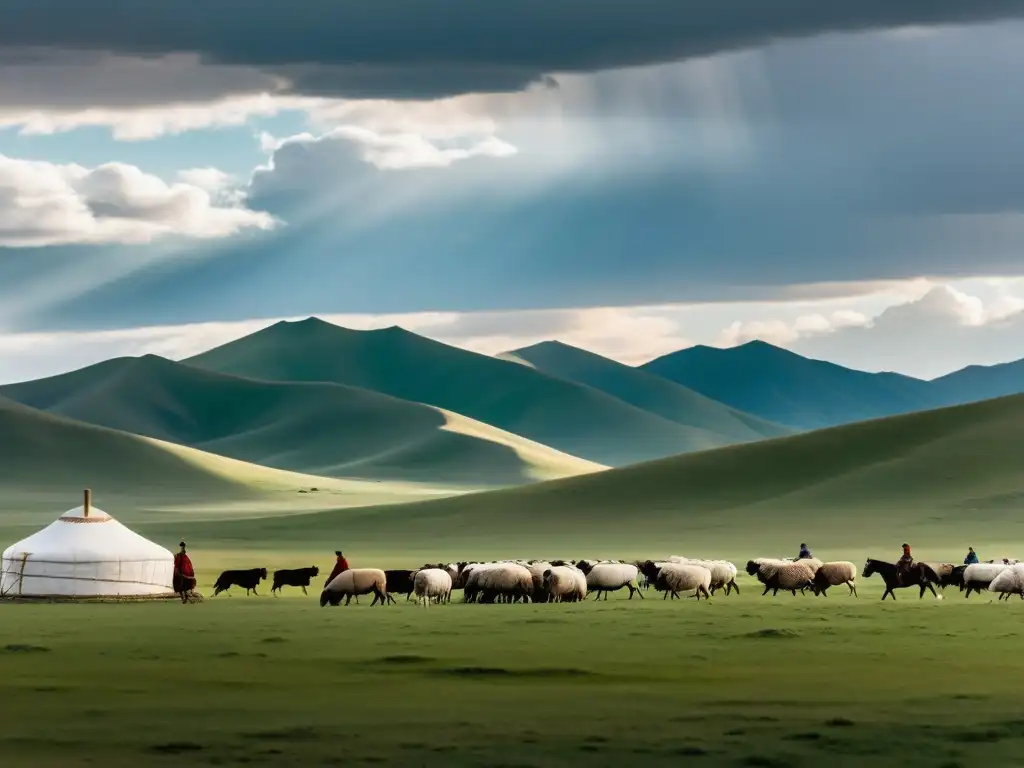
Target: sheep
x,y
1009,582
610,577
946,573
537,570
353,582
432,584
399,582
674,578
248,579
507,582
650,570
297,577
470,578
978,576
812,563
776,575
835,573
723,573
564,584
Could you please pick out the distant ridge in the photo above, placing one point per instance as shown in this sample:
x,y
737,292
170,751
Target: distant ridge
x,y
646,390
319,428
980,382
784,387
565,415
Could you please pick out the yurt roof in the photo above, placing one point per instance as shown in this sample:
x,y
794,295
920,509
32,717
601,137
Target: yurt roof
x,y
85,534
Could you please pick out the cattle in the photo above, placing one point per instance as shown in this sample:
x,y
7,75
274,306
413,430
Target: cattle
x,y
296,577
247,579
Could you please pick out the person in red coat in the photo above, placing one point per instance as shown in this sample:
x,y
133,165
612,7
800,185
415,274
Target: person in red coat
x,y
340,565
184,579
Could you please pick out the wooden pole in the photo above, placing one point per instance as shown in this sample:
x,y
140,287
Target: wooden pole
x,y
88,501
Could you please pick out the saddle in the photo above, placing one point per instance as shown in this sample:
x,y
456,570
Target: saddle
x,y
903,573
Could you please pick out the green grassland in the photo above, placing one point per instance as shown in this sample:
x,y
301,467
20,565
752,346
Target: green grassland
x,y
739,681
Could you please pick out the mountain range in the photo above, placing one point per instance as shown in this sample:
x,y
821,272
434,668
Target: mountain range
x,y
784,387
386,414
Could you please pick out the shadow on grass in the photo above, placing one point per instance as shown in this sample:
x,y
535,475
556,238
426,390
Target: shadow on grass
x,y
502,672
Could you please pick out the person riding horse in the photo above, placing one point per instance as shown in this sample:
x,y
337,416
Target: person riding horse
x,y
904,564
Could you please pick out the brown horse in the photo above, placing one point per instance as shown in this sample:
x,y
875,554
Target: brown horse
x,y
919,575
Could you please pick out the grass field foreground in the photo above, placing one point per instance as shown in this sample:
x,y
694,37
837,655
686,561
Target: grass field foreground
x,y
740,681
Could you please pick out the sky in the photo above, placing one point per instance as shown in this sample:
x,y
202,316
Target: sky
x,y
629,177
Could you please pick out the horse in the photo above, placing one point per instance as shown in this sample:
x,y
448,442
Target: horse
x,y
920,575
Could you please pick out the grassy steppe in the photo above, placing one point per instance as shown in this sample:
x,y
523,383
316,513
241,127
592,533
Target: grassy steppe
x,y
742,681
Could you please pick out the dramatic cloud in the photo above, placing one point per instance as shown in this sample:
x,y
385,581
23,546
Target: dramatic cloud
x,y
401,48
45,204
944,330
778,187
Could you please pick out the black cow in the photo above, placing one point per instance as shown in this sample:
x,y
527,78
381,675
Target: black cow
x,y
297,577
248,579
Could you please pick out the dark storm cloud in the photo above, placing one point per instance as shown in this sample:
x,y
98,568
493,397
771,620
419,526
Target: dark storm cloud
x,y
875,158
414,48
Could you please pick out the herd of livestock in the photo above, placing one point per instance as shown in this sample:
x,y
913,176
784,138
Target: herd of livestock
x,y
512,581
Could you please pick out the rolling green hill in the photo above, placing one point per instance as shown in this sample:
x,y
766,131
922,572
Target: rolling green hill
x,y
565,415
46,460
789,389
941,478
646,390
316,428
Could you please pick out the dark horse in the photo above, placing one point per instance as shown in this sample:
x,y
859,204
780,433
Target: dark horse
x,y
920,575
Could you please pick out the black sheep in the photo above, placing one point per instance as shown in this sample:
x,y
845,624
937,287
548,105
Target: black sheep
x,y
248,579
297,577
399,582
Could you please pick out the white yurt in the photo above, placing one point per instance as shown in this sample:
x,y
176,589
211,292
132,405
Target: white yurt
x,y
85,553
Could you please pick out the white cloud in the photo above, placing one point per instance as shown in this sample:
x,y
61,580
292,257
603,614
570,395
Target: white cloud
x,y
783,333
48,204
396,151
151,122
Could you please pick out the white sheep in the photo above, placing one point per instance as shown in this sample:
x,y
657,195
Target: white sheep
x,y
565,584
354,582
834,573
776,575
506,581
610,577
723,573
432,584
1009,582
470,578
674,578
978,576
